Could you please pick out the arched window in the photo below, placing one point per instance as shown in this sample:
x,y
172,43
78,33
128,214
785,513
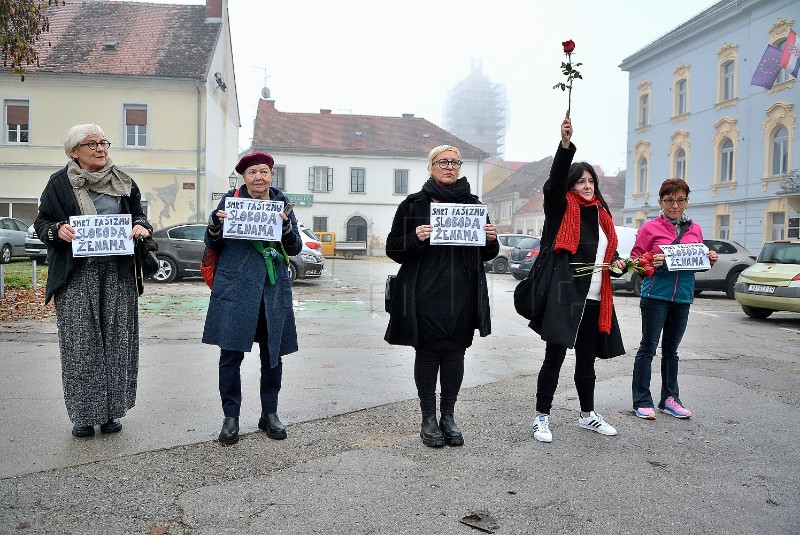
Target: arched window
x,y
780,151
642,168
356,229
726,161
680,164
727,80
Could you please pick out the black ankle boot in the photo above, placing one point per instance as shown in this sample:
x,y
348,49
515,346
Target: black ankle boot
x,y
230,431
272,425
452,434
430,433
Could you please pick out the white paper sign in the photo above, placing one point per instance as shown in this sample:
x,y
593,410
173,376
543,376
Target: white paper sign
x,y
252,219
101,235
686,256
458,224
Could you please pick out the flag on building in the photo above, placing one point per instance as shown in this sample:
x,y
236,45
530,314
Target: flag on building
x,y
790,59
768,68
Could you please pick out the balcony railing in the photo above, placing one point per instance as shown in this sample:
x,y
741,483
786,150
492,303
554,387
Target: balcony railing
x,y
790,182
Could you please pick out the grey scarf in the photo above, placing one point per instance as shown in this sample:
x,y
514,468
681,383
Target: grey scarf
x,y
109,180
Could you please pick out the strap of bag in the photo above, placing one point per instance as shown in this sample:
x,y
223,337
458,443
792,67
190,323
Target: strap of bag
x,y
681,230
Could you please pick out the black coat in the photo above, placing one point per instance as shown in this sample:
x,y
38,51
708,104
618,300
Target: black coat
x,y
403,247
57,204
566,294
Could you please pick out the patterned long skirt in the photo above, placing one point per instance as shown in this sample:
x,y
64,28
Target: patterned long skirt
x,y
98,334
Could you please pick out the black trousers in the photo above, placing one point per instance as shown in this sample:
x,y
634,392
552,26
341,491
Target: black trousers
x,y
585,355
448,366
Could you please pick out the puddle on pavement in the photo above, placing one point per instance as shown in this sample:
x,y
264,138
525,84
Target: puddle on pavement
x,y
165,305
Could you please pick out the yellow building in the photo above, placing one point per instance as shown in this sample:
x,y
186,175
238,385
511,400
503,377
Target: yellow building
x,y
157,78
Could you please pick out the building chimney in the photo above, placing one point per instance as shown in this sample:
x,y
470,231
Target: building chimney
x,y
324,112
213,10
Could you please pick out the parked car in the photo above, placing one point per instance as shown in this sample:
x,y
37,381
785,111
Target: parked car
x,y
181,247
12,238
523,255
34,247
631,282
310,239
499,264
773,282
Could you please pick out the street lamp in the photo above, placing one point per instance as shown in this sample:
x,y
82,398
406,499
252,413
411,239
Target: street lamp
x,y
232,179
646,210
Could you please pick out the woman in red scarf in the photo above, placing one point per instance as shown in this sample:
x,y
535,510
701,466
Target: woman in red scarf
x,y
577,310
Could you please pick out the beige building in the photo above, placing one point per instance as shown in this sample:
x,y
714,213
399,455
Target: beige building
x,y
157,78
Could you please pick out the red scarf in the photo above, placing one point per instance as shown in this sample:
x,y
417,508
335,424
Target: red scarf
x,y
568,237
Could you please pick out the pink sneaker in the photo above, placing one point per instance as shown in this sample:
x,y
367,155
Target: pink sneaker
x,y
646,412
676,409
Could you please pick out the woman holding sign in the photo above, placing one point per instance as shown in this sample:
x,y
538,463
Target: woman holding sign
x,y
578,308
666,297
440,295
95,296
251,296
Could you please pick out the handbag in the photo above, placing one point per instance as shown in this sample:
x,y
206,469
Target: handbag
x,y
387,293
208,265
530,295
145,260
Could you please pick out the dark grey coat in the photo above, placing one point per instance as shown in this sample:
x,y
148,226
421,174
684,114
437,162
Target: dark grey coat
x,y
241,285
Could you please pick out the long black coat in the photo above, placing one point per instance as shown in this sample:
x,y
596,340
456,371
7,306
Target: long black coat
x,y
57,204
403,247
566,295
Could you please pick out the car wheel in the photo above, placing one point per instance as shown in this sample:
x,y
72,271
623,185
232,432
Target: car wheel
x,y
756,312
500,265
636,280
730,284
167,270
5,254
518,276
292,272
349,255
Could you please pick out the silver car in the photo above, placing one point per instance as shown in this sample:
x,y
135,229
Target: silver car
x,y
12,238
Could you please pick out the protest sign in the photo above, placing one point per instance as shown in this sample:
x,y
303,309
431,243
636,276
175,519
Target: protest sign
x,y
101,235
252,219
686,256
458,224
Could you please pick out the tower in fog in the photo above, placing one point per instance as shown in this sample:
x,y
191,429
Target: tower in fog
x,y
476,111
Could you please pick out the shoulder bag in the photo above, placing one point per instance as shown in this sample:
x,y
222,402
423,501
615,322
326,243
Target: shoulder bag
x,y
208,265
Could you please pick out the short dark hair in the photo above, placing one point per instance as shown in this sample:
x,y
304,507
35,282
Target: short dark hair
x,y
671,186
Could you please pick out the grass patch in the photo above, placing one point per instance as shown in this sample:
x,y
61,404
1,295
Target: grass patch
x,y
18,274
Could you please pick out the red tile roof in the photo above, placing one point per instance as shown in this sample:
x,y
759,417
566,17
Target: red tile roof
x,y
332,132
172,41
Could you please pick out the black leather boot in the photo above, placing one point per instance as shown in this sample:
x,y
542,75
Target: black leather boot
x,y
111,426
230,431
272,425
430,433
82,431
452,434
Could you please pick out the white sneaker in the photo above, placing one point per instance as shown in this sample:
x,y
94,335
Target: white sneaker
x,y
595,422
541,428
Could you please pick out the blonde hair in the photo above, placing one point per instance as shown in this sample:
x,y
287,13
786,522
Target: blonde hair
x,y
436,151
78,133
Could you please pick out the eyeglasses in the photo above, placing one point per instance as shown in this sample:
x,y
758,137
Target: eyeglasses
x,y
263,172
444,164
669,202
94,144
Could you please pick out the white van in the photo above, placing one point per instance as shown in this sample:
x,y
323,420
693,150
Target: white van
x,y
626,237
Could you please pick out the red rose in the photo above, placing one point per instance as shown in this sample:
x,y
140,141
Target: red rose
x,y
648,271
648,256
569,46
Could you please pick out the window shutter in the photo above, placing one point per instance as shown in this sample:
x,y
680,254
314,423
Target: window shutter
x,y
135,117
330,178
16,114
311,179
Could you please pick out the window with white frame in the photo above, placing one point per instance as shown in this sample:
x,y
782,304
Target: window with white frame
x,y
642,175
777,224
644,110
320,178
726,161
727,80
357,178
17,114
135,125
680,97
780,151
680,164
401,181
782,74
279,177
724,227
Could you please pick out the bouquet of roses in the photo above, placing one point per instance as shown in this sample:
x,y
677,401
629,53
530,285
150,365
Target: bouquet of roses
x,y
642,264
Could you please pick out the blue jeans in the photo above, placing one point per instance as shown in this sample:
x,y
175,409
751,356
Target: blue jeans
x,y
670,318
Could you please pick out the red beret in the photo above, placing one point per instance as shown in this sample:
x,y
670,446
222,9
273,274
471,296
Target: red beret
x,y
253,158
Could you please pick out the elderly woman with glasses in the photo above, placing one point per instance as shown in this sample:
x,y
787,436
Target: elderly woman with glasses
x,y
440,295
665,299
95,296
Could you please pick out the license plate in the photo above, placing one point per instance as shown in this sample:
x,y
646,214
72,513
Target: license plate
x,y
760,289
513,265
